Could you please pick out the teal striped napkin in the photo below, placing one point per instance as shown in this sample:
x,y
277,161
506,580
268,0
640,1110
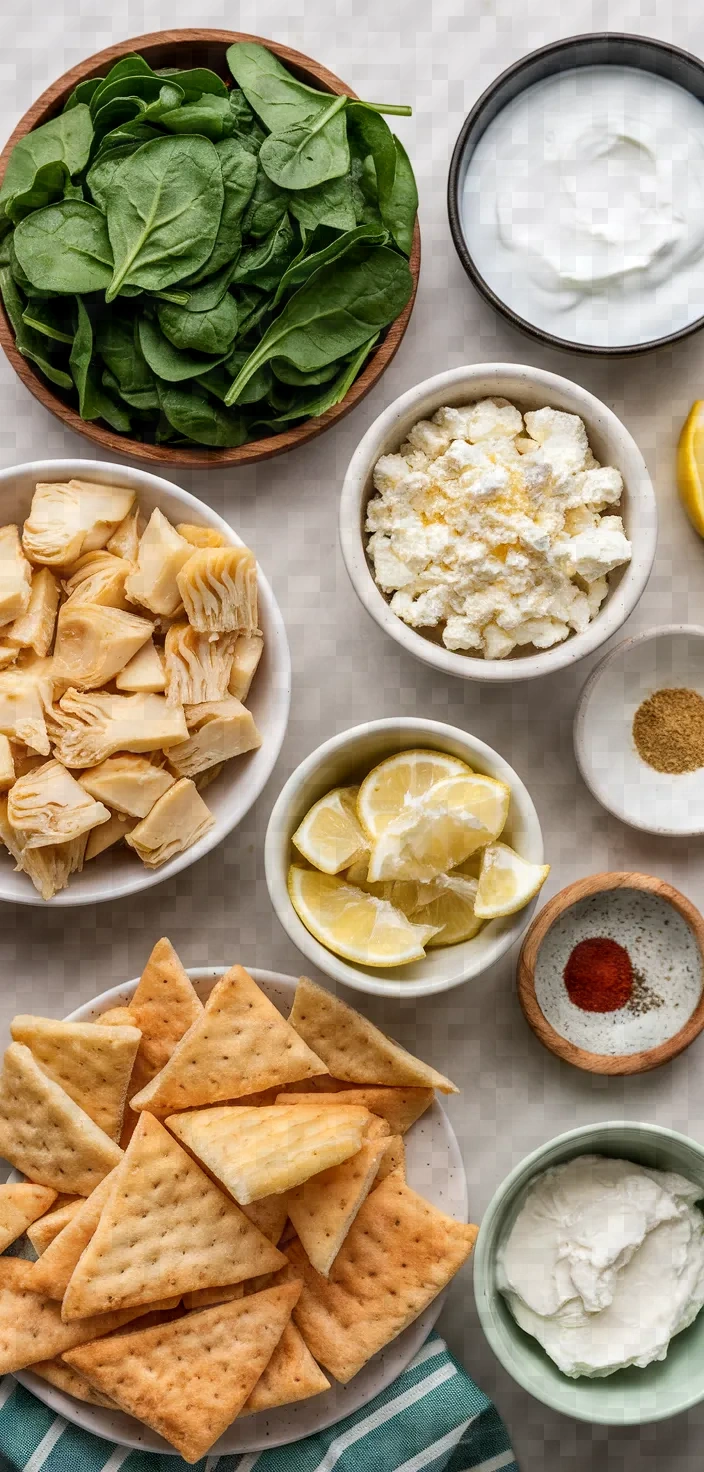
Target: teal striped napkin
x,y
432,1418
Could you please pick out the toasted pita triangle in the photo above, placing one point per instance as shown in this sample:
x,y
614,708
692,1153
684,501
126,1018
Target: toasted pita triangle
x,y
45,1134
269,1215
206,1297
31,1327
164,1229
43,1231
323,1209
290,1375
352,1048
394,1158
240,1045
400,1107
60,1375
92,1064
188,1379
53,1271
20,1206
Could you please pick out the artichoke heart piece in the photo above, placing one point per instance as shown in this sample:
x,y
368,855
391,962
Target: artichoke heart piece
x,y
48,868
248,652
7,765
8,654
217,731
94,643
128,783
197,666
49,806
66,520
34,629
218,586
178,820
25,695
161,555
15,576
108,834
98,577
124,542
200,536
87,727
145,672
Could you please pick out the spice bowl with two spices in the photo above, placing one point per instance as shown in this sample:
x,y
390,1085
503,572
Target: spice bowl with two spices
x,y
611,973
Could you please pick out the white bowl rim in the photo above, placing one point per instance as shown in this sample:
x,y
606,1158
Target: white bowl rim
x,y
581,752
482,1267
528,667
346,971
134,884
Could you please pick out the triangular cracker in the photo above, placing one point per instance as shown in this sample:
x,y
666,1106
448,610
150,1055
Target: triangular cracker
x,y
92,1064
164,1229
394,1158
44,1134
323,1209
399,1254
257,1152
353,1048
31,1327
241,1044
206,1297
164,1005
291,1375
269,1214
53,1271
20,1206
401,1107
62,1377
43,1231
188,1379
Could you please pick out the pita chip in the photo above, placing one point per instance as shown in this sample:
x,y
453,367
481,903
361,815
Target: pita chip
x,y
164,1006
257,1152
92,1064
188,1380
43,1231
62,1377
240,1045
323,1209
20,1205
165,1229
31,1327
44,1134
399,1253
400,1107
353,1048
269,1215
290,1375
53,1271
206,1297
393,1158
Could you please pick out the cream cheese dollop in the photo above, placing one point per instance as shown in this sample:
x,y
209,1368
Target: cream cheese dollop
x,y
604,1263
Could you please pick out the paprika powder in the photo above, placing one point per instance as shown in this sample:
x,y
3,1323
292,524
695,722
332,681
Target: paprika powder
x,y
598,975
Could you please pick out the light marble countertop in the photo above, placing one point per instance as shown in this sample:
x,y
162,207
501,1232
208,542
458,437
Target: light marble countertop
x,y
439,57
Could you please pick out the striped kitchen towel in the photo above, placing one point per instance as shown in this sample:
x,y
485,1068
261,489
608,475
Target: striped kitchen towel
x,y
432,1419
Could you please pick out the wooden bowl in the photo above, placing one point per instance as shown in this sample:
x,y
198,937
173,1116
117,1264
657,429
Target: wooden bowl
x,y
189,48
657,939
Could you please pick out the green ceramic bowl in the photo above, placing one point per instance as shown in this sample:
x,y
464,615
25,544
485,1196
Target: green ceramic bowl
x,y
629,1397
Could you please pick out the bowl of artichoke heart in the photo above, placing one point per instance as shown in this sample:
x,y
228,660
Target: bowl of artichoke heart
x,y
209,249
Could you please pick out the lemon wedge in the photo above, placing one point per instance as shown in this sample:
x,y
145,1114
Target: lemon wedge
x,y
452,911
399,780
406,895
357,926
690,466
330,837
506,882
441,829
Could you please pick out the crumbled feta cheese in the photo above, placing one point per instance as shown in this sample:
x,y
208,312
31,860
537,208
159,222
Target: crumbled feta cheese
x,y
491,527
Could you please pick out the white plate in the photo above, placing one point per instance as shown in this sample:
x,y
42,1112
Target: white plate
x,y
435,1169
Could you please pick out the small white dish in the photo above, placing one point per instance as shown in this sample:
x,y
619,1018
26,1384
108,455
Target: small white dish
x,y
657,802
528,388
346,759
434,1167
120,872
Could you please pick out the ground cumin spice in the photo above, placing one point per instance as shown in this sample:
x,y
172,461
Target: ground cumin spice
x,y
668,730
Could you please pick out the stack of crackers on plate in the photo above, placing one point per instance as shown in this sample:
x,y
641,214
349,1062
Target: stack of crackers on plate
x,y
242,1228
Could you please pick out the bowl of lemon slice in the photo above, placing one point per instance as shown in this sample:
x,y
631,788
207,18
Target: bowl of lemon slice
x,y
404,857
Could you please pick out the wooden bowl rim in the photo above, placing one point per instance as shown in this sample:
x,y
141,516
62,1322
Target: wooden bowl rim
x,y
44,107
605,1063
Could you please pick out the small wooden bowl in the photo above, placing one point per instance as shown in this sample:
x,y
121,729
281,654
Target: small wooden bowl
x,y
554,912
190,48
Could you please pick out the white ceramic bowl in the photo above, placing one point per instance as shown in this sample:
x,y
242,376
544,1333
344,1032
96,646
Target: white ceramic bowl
x,y
528,388
120,872
657,802
346,759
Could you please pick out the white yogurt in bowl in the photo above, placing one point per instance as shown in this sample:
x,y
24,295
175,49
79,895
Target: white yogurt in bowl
x,y
583,206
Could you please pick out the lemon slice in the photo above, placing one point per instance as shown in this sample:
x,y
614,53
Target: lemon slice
x,y
352,924
690,466
399,780
406,895
330,837
506,882
441,829
452,911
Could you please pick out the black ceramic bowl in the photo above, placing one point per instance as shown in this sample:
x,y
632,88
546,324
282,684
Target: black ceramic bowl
x,y
598,49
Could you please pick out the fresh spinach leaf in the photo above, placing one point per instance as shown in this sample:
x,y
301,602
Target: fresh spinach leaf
x,y
51,319
133,133
402,207
277,97
201,332
286,373
93,402
252,306
128,66
145,400
304,265
312,405
209,116
28,342
266,208
138,86
239,172
101,175
49,184
306,155
64,140
262,265
65,248
164,211
168,362
195,82
259,384
207,294
83,92
393,180
117,342
194,415
329,204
